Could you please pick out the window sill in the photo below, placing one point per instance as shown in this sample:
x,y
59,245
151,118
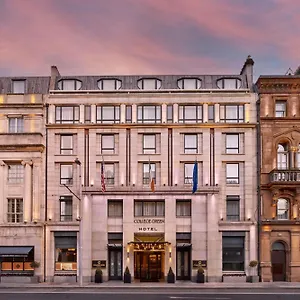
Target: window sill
x,y
190,154
183,217
149,154
233,184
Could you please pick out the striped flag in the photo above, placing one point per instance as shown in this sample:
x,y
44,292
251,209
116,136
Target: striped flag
x,y
103,188
151,179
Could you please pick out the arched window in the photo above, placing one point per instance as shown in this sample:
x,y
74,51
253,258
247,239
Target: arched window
x,y
282,209
278,246
282,156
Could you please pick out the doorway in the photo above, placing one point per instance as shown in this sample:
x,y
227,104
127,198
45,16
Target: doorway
x,y
148,265
278,258
183,268
115,264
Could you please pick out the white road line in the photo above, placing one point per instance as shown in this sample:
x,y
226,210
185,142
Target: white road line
x,y
207,298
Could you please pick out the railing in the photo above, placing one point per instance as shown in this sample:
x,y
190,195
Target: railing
x,y
285,176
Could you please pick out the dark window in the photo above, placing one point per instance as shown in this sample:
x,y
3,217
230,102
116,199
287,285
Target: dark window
x,y
66,144
190,114
232,113
233,208
128,113
66,208
87,114
183,208
115,208
280,109
67,114
149,208
233,253
149,114
108,114
169,113
211,113
66,174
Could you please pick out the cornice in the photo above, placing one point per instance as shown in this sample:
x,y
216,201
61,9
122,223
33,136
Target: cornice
x,y
279,85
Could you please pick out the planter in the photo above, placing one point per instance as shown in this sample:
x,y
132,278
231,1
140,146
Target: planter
x,y
253,279
98,278
200,278
127,278
171,276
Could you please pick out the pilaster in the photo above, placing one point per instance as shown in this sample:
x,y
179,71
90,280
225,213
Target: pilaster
x,y
2,185
27,191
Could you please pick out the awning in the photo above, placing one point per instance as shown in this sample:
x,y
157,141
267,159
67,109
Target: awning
x,y
182,245
6,251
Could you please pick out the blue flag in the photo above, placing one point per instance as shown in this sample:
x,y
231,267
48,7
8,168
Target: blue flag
x,y
195,177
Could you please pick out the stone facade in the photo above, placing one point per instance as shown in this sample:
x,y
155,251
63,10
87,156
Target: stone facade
x,y
280,140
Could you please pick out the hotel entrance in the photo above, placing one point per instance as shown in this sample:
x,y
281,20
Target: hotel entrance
x,y
148,266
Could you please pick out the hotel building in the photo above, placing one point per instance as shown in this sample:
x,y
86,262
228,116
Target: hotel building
x,y
142,127
280,189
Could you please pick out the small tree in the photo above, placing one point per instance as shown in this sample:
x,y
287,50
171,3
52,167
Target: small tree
x,y
34,264
253,264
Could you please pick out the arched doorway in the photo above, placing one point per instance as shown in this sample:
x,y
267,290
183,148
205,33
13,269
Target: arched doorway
x,y
278,257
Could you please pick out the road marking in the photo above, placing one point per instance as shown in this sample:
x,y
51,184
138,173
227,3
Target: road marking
x,y
207,298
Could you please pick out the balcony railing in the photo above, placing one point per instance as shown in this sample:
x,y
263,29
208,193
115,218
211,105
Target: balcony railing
x,y
285,175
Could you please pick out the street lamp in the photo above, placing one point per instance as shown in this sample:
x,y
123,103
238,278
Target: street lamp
x,y
80,241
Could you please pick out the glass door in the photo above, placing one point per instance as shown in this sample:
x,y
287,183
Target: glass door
x,y
183,269
115,264
148,266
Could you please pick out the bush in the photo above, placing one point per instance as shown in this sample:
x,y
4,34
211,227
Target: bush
x,y
200,270
98,271
253,263
34,264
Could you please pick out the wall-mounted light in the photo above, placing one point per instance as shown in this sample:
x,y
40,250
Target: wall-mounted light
x,y
206,184
127,253
249,219
221,218
170,254
133,184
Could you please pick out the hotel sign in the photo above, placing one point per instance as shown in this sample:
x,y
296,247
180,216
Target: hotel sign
x,y
149,225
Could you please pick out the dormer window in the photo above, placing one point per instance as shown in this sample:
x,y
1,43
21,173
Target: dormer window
x,y
189,83
109,84
18,86
149,84
69,85
229,83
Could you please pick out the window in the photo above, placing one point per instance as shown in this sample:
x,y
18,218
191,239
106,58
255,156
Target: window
x,y
149,208
66,174
280,109
282,209
282,156
149,144
183,208
65,251
128,113
66,208
18,86
149,84
147,168
108,114
211,113
190,143
15,173
233,208
232,143
232,173
115,208
189,83
67,114
69,85
16,125
87,114
188,173
169,113
190,114
232,113
109,174
66,144
233,253
15,210
107,144
149,114
109,84
229,83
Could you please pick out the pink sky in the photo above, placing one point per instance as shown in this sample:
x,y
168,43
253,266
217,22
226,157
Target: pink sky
x,y
148,36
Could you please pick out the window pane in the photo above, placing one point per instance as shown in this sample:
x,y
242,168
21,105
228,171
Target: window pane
x,y
232,143
87,113
211,113
66,209
183,208
282,209
149,144
66,146
109,174
66,174
128,113
18,86
232,173
233,253
146,172
15,174
190,143
115,208
170,113
280,109
188,173
108,144
233,210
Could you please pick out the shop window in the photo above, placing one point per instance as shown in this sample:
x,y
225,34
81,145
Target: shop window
x,y
149,208
233,253
115,208
183,208
65,251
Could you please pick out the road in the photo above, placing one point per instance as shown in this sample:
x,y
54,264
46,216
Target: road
x,y
94,294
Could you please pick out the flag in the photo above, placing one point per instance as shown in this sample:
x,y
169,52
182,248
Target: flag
x,y
103,189
195,177
151,179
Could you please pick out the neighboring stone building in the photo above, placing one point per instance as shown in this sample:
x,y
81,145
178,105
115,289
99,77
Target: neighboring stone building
x,y
130,125
280,175
22,180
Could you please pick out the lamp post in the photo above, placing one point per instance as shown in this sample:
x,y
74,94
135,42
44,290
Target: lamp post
x,y
80,241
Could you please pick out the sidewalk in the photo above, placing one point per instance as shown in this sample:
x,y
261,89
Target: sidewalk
x,y
157,285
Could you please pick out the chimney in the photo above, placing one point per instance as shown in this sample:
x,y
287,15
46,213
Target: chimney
x,y
54,73
248,71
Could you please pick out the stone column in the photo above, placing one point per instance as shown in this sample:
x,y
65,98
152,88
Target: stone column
x,y
81,113
205,113
37,181
293,160
217,113
2,195
51,112
252,245
123,113
265,255
134,113
27,191
93,113
164,113
295,257
175,113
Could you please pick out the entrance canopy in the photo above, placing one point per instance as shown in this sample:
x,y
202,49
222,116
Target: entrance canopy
x,y
149,242
21,251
